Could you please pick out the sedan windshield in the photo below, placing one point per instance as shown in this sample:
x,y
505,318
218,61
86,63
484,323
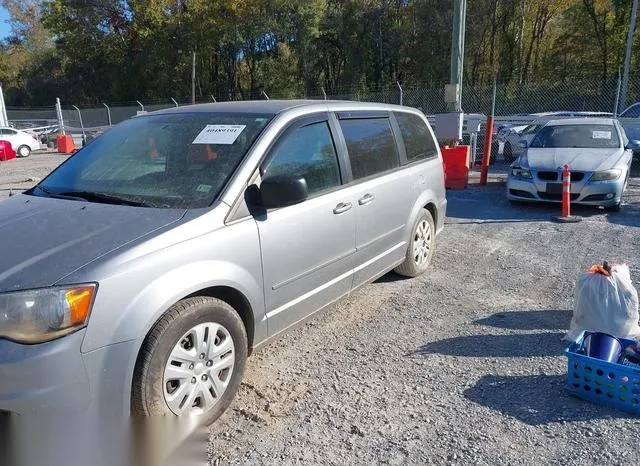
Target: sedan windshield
x,y
180,160
582,136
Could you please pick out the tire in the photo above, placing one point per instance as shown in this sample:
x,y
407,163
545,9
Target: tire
x,y
23,151
495,149
411,267
507,153
169,340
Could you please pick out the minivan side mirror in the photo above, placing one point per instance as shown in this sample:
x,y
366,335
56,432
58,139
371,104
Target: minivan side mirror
x,y
283,190
523,143
633,145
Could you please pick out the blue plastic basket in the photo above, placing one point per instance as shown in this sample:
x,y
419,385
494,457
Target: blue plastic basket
x,y
602,382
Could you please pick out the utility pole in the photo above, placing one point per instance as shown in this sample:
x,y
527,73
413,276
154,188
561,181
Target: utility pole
x,y
193,79
627,58
4,120
457,50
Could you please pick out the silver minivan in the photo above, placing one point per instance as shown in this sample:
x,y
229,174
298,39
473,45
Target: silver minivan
x,y
141,273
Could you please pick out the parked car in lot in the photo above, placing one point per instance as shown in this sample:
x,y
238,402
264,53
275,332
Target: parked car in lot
x,y
633,111
150,263
598,154
512,146
22,142
632,132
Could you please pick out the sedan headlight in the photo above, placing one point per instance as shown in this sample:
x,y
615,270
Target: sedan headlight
x,y
37,316
521,172
607,175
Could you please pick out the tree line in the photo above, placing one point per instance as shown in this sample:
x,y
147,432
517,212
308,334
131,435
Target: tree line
x,y
93,51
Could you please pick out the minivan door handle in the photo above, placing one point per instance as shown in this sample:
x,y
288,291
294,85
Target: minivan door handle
x,y
342,208
366,199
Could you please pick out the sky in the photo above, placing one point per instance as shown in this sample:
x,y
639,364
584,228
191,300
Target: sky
x,y
4,27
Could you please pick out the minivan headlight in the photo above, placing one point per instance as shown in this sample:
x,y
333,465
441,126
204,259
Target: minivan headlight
x,y
37,316
607,175
521,172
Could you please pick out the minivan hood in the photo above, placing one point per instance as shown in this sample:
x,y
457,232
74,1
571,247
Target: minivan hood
x,y
42,240
586,160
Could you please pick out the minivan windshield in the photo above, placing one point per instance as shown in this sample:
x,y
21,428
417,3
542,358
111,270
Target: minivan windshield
x,y
579,136
178,160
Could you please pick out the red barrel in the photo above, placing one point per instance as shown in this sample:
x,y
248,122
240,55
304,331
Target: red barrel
x,y
456,166
6,151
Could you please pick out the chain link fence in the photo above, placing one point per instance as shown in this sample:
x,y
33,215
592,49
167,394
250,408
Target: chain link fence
x,y
514,102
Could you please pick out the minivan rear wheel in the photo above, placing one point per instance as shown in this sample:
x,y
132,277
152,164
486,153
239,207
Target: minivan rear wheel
x,y
192,361
422,246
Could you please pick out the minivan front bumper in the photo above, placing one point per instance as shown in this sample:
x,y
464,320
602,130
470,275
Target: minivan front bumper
x,y
56,377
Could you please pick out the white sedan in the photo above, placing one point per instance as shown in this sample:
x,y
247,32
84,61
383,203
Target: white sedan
x,y
598,154
21,142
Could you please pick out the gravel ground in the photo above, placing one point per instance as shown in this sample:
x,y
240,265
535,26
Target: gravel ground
x,y
464,365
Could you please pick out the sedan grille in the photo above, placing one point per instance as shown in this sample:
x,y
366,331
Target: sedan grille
x,y
548,176
556,197
557,176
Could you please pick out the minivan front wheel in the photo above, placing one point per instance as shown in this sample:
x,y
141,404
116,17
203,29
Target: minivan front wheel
x,y
421,248
192,361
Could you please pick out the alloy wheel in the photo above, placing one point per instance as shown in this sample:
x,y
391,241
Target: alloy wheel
x,y
422,243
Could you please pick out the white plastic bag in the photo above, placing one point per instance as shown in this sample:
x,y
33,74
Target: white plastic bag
x,y
606,304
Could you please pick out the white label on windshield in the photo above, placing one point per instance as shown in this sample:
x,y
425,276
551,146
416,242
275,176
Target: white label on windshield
x,y
601,135
219,134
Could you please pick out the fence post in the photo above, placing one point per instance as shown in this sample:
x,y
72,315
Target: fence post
x,y
617,104
213,98
174,101
265,94
142,106
108,113
324,93
401,92
59,114
81,124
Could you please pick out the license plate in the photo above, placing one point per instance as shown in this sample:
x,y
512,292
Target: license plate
x,y
554,188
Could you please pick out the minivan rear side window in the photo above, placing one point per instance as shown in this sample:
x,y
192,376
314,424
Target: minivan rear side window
x,y
371,145
418,141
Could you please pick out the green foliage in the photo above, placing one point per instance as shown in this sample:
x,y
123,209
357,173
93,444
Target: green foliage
x,y
123,50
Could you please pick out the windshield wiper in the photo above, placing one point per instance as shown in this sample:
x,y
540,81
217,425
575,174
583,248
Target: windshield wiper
x,y
105,197
59,195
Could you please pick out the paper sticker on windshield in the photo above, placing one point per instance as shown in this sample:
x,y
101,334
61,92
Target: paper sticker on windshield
x,y
601,135
219,134
203,188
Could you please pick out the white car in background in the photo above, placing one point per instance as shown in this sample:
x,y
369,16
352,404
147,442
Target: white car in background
x,y
21,142
512,147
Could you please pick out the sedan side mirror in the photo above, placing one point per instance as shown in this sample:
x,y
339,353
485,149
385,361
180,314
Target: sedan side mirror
x,y
523,143
633,145
283,190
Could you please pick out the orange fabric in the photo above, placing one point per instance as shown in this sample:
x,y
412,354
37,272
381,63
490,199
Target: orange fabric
x,y
201,153
599,269
154,154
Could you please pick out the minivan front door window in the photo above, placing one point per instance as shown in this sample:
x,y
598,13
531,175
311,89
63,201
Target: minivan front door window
x,y
176,160
308,152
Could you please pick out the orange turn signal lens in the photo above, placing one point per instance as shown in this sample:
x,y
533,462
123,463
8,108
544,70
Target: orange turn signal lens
x,y
79,301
